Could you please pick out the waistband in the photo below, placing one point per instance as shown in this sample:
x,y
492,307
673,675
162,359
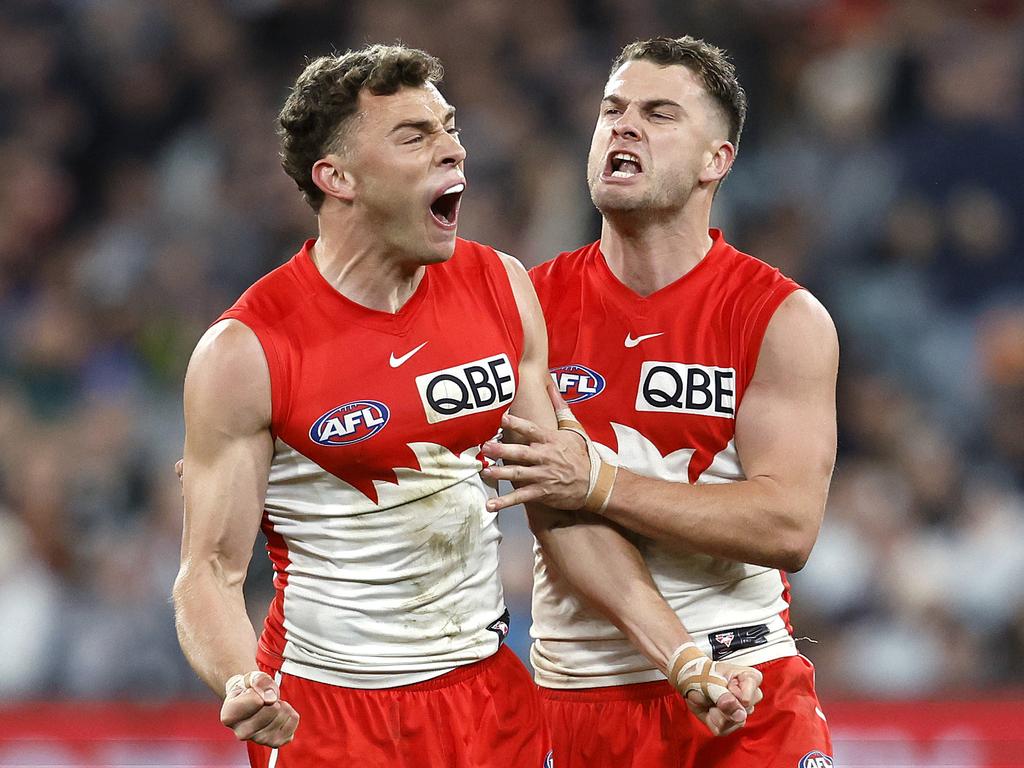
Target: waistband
x,y
446,679
656,689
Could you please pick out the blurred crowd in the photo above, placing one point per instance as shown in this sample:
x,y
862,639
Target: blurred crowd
x,y
881,167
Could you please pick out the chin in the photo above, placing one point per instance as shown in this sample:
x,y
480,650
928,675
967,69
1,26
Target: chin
x,y
437,253
615,201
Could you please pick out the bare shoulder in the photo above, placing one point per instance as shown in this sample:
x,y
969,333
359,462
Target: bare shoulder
x,y
800,340
535,332
522,287
228,380
514,267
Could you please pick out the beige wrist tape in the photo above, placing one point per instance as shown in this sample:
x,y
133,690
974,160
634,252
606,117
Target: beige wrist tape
x,y
602,474
690,670
239,681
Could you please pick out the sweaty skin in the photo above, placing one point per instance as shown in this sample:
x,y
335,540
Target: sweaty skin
x,y
228,450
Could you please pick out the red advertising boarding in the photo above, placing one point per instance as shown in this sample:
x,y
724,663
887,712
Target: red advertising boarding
x,y
867,734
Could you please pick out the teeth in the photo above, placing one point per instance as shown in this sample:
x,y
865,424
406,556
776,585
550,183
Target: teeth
x,y
626,156
454,188
622,174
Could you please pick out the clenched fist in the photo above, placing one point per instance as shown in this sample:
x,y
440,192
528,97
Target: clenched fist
x,y
254,711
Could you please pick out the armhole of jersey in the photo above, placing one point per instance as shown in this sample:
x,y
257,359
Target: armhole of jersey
x,y
510,313
757,325
278,372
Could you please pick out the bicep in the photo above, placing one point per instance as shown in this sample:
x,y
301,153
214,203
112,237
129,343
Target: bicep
x,y
786,424
531,402
228,448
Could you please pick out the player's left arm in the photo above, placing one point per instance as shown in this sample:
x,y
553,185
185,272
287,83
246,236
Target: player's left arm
x,y
600,564
786,441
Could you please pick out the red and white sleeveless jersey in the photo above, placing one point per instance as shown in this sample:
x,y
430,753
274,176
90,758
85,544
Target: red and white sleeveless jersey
x,y
657,382
385,558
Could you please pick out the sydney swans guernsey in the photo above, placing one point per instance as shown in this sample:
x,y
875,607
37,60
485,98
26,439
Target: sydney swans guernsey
x,y
657,382
385,558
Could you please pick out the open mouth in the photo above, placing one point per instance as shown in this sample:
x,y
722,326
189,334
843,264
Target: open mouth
x,y
623,165
445,208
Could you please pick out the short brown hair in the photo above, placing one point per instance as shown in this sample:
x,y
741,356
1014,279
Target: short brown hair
x,y
707,61
326,95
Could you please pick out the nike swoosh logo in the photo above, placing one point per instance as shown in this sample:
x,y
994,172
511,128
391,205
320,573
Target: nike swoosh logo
x,y
631,342
397,361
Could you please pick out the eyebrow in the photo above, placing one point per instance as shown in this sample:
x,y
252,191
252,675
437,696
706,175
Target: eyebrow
x,y
646,105
427,126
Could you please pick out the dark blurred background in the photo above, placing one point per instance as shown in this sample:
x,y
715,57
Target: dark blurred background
x,y
881,167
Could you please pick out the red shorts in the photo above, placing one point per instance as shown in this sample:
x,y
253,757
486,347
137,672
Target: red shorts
x,y
481,715
649,726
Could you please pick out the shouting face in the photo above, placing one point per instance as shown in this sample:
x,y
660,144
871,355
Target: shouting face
x,y
659,137
405,164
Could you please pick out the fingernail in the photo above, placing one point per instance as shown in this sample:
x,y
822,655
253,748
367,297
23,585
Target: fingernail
x,y
739,715
270,696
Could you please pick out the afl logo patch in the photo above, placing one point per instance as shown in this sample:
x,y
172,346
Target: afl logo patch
x,y
577,382
549,759
815,759
350,423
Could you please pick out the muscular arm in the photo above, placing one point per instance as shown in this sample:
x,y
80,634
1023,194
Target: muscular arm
x,y
227,454
786,441
228,449
602,566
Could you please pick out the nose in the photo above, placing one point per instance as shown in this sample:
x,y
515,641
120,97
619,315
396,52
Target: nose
x,y
452,151
626,126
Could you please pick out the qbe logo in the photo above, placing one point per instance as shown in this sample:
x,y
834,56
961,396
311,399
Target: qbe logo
x,y
480,385
577,382
815,759
350,423
681,388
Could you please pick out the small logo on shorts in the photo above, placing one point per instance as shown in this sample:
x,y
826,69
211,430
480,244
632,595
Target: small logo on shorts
x,y
549,759
815,759
730,641
500,626
725,638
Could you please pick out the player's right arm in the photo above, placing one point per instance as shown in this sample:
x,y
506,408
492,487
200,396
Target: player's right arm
x,y
228,449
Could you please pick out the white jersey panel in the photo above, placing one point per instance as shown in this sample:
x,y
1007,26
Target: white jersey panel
x,y
578,648
387,593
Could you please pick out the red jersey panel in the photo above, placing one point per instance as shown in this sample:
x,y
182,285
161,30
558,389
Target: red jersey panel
x,y
385,558
657,382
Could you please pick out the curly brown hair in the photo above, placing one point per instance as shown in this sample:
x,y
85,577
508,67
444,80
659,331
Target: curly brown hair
x,y
326,95
705,60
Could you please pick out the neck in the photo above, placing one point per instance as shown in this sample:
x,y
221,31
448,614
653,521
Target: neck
x,y
647,252
363,268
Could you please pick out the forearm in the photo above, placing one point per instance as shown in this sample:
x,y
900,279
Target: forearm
x,y
214,630
608,572
751,521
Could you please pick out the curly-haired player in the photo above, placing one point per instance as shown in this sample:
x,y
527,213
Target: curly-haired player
x,y
341,405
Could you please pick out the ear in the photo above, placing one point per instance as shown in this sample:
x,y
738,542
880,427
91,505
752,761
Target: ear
x,y
719,162
331,175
